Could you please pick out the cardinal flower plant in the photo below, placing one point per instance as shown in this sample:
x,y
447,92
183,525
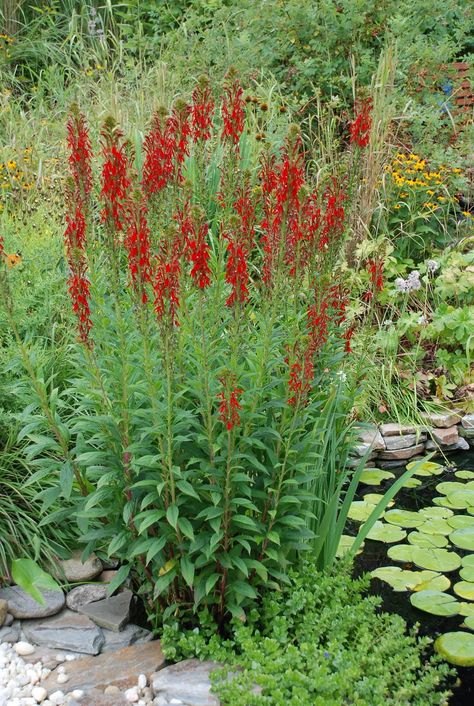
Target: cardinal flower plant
x,y
204,438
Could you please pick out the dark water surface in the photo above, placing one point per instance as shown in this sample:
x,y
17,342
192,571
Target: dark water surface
x,y
375,555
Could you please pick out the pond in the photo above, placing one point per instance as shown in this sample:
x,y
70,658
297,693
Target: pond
x,y
376,554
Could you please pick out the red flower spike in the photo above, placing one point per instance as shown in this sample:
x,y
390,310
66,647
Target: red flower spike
x,y
233,109
202,110
159,152
360,126
166,284
229,404
334,216
197,247
115,179
137,243
236,274
80,155
177,132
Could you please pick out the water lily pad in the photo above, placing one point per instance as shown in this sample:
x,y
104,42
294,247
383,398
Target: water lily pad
x,y
466,609
448,487
436,526
456,648
443,501
420,539
461,499
403,580
401,552
436,559
468,560
469,622
467,573
375,476
425,468
435,602
345,543
411,483
458,521
435,513
464,475
360,510
431,581
375,498
382,532
404,518
464,589
463,538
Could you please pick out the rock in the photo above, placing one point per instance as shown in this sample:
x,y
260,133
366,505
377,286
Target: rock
x,y
112,689
24,648
11,633
372,438
110,613
62,678
98,698
107,576
66,631
446,420
119,668
3,611
49,657
77,571
467,421
445,435
386,465
130,635
393,443
460,445
8,620
186,681
39,693
392,429
400,454
131,695
82,595
362,450
466,433
22,605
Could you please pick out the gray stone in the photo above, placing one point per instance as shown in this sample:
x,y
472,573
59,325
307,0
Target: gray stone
x,y
10,633
371,437
402,453
51,657
8,620
111,613
66,631
460,445
363,449
387,465
186,681
445,420
22,605
393,443
467,421
3,611
88,593
445,435
392,429
75,570
130,635
466,433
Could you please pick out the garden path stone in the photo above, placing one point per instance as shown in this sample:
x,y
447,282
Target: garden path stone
x,y
467,422
392,429
111,613
22,605
51,657
66,631
75,570
119,668
446,435
130,635
400,454
3,611
448,419
393,443
10,633
186,681
88,593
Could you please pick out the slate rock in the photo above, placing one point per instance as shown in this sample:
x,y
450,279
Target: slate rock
x,y
393,443
467,421
392,429
75,570
51,657
119,668
400,454
3,611
387,465
466,433
445,435
66,631
8,620
445,420
111,613
186,681
10,633
22,605
130,635
87,593
372,438
460,445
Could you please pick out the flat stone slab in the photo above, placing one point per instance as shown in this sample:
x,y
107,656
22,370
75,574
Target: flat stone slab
x,y
130,635
372,438
393,443
445,435
445,420
400,454
3,611
467,422
21,605
392,429
111,613
460,445
466,433
188,682
82,595
51,657
10,633
119,668
75,570
66,631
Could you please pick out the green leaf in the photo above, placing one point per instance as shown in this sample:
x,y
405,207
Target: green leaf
x,y
119,578
187,570
172,514
31,577
186,528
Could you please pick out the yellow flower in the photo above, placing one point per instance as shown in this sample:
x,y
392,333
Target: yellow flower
x,y
441,198
11,164
397,206
404,195
456,170
466,213
89,72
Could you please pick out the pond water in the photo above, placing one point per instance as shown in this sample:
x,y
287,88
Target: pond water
x,y
374,555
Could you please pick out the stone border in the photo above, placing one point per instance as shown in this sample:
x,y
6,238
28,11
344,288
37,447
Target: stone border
x,y
391,445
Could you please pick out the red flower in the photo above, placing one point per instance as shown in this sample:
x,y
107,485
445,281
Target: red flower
x,y
115,179
236,274
159,150
137,243
2,246
202,110
376,268
197,248
229,404
233,109
178,130
334,216
78,286
166,283
80,154
360,126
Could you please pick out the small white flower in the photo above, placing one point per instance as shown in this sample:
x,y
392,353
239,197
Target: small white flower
x,y
421,319
400,284
432,266
342,375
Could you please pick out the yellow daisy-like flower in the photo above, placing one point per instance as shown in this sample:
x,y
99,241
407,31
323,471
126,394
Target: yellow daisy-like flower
x,y
430,192
441,198
456,170
397,206
466,213
11,164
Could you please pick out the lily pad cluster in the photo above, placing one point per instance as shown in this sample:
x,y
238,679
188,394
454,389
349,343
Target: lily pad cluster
x,y
431,543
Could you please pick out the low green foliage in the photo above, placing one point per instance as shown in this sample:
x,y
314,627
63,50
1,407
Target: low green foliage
x,y
321,641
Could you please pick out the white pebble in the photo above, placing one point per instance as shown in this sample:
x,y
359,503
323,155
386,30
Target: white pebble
x,y
56,698
70,658
24,648
60,658
61,669
77,694
131,695
39,693
142,681
176,701
62,678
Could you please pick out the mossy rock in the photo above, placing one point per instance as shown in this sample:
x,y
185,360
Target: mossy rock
x,y
456,648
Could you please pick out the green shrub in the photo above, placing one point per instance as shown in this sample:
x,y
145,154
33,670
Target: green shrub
x,y
321,641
